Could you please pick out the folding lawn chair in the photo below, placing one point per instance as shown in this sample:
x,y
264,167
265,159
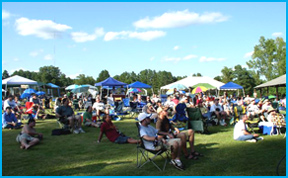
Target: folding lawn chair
x,y
180,117
150,155
196,120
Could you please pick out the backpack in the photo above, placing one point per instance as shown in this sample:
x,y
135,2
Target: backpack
x,y
61,132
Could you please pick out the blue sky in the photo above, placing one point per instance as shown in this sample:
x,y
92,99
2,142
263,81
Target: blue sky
x,y
183,38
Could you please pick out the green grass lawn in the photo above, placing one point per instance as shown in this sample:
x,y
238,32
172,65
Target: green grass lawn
x,y
81,155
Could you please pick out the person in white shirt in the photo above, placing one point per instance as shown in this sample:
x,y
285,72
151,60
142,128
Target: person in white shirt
x,y
253,109
241,133
216,109
99,107
11,103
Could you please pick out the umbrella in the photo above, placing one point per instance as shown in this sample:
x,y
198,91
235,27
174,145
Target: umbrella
x,y
182,92
82,88
170,92
3,90
271,97
25,95
40,93
71,87
29,91
178,87
199,89
134,90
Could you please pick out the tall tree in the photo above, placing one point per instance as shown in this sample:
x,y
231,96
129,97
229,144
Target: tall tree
x,y
218,78
104,74
50,74
227,75
269,58
5,74
244,78
82,79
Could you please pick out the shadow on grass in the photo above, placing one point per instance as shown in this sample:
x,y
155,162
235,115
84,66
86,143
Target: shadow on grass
x,y
83,170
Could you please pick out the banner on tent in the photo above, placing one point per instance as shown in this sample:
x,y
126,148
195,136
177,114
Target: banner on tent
x,y
24,86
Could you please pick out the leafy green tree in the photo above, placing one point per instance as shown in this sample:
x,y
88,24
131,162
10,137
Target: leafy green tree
x,y
197,75
244,78
218,78
269,58
82,79
5,74
104,74
50,74
227,75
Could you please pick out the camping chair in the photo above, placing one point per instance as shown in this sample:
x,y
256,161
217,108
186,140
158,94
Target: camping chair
x,y
150,155
28,109
179,119
252,124
196,120
119,106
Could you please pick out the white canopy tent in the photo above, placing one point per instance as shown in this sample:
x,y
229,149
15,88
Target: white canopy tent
x,y
17,80
191,81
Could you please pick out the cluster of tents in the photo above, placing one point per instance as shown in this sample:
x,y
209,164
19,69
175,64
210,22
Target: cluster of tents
x,y
199,84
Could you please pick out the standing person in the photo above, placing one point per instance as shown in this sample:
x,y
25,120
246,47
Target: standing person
x,y
9,120
150,135
26,137
66,116
110,130
241,133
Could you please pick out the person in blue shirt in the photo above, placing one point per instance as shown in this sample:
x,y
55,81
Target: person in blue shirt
x,y
9,120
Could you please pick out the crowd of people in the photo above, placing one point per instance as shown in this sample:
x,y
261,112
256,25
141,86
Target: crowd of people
x,y
99,114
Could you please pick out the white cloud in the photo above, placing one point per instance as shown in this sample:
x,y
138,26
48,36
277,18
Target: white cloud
x,y
247,55
180,19
5,14
36,53
81,37
191,56
176,47
145,36
45,29
152,58
177,59
277,34
48,57
210,59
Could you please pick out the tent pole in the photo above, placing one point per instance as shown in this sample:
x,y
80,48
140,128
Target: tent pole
x,y
243,93
277,93
6,90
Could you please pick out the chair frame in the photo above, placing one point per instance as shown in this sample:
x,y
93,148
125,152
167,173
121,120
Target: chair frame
x,y
145,154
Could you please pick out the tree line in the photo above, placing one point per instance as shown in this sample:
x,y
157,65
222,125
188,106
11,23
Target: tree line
x,y
268,62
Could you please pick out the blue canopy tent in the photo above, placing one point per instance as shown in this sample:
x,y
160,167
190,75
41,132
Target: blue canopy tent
x,y
110,82
51,85
232,86
138,84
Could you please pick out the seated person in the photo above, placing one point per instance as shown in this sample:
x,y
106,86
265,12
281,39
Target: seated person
x,y
241,133
110,130
276,118
9,120
164,125
99,107
87,118
36,113
66,116
26,137
150,135
253,109
149,109
11,103
37,101
217,110
76,103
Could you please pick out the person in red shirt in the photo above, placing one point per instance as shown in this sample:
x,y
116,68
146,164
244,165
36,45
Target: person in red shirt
x,y
110,130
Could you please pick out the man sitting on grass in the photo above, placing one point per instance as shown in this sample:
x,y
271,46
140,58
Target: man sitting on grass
x,y
150,135
66,116
110,130
241,133
26,137
9,120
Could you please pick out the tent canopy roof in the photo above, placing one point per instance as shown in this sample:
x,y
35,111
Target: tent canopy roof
x,y
206,85
192,81
279,81
18,80
231,86
52,85
138,84
110,82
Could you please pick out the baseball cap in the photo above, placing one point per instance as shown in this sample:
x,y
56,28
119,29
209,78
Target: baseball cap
x,y
143,116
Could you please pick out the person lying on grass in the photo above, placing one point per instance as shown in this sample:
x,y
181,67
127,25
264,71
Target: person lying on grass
x,y
110,130
26,137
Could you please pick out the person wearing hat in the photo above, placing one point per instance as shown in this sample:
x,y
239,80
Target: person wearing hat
x,y
26,137
241,133
150,135
112,133
9,120
149,109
